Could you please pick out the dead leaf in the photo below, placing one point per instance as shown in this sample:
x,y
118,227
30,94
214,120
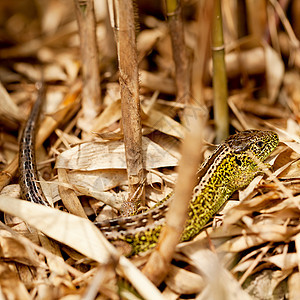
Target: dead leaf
x,y
111,155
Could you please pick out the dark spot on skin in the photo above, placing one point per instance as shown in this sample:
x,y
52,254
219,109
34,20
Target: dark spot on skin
x,y
238,161
260,144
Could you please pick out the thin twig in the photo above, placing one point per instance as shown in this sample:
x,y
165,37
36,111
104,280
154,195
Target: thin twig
x,y
286,24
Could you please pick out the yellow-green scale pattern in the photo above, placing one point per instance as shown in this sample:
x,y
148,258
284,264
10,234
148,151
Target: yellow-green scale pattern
x,y
228,169
225,179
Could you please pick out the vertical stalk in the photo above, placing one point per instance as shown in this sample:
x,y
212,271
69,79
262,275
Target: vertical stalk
x,y
182,76
130,102
91,95
256,17
221,115
202,54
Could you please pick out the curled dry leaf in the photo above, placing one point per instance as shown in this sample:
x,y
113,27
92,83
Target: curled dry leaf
x,y
14,250
99,180
251,60
8,108
284,261
110,155
68,196
219,282
241,243
93,183
78,233
249,206
164,123
147,39
294,146
184,282
111,114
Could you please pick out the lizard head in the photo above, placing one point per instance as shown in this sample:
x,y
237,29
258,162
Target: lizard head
x,y
244,147
260,143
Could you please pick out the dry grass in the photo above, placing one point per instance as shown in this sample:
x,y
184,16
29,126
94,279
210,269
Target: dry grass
x,y
250,249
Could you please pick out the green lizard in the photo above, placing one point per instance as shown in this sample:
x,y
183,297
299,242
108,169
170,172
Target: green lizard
x,y
228,169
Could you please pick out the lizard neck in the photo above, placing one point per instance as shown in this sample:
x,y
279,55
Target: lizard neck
x,y
211,192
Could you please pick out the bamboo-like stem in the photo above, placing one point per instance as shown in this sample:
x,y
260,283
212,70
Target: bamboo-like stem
x,y
182,76
91,95
221,115
130,102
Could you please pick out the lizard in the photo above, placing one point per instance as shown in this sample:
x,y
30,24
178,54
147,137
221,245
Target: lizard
x,y
229,168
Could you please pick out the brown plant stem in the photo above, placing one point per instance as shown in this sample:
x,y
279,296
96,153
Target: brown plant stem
x,y
182,76
130,102
256,17
91,95
199,67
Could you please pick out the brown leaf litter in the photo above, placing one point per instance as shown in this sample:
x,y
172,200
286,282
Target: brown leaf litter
x,y
251,247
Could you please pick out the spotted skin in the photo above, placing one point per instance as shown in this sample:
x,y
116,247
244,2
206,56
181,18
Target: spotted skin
x,y
228,169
